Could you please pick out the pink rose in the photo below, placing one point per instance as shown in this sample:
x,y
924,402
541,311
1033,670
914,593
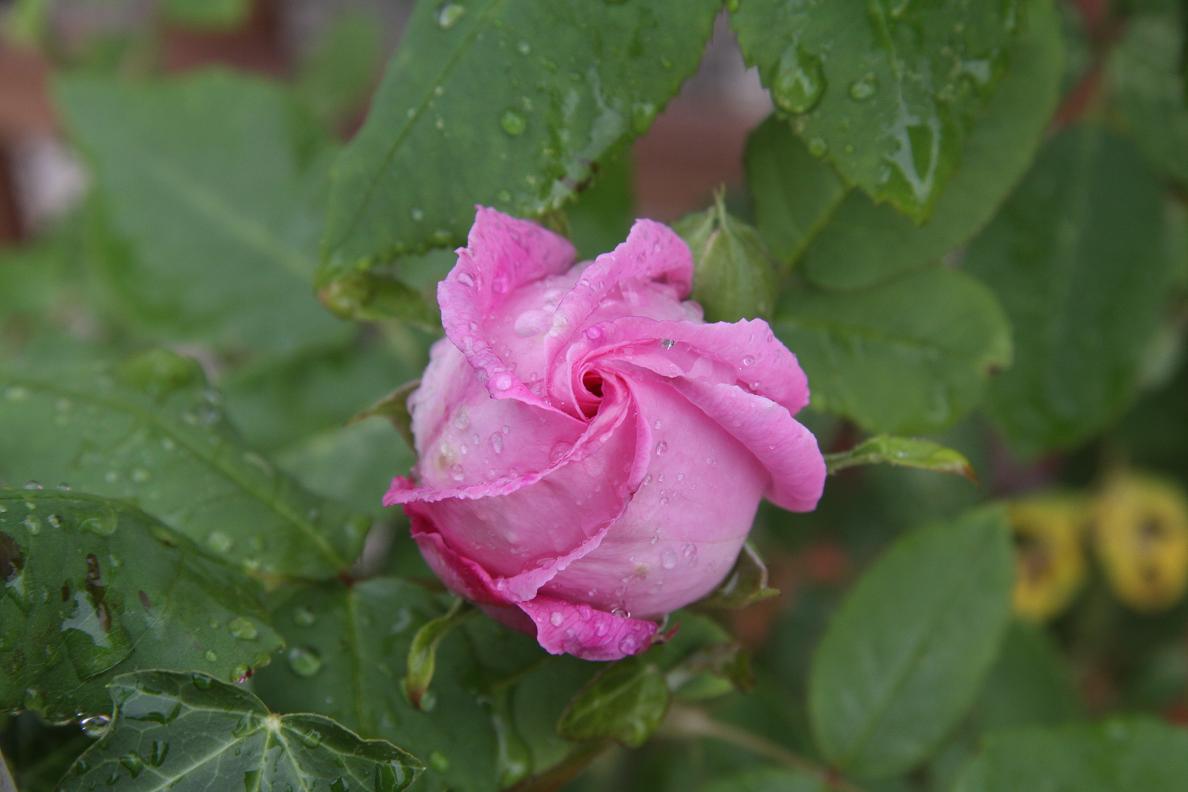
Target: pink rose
x,y
591,452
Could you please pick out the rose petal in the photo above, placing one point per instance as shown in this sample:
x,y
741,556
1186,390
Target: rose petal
x,y
502,255
582,631
781,443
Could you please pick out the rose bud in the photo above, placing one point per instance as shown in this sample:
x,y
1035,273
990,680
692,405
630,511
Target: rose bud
x,y
591,453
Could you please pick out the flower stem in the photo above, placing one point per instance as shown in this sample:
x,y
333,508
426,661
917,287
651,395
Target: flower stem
x,y
684,721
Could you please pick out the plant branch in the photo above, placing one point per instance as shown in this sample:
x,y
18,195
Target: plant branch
x,y
684,721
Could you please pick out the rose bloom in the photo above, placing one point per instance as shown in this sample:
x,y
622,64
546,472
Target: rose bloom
x,y
591,453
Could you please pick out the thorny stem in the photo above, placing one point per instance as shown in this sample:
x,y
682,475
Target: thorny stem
x,y
684,721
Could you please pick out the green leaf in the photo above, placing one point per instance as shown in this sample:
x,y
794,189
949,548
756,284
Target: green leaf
x,y
1062,256
1147,88
885,91
206,13
1029,684
733,274
907,651
486,722
375,295
335,78
575,80
865,243
902,452
189,731
908,356
745,585
601,216
625,702
768,779
201,176
394,407
422,653
1115,756
151,432
94,587
794,193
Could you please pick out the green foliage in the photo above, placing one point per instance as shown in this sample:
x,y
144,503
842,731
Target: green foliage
x,y
902,452
151,431
206,242
909,355
576,79
1081,317
626,702
884,91
191,731
1113,756
905,654
95,587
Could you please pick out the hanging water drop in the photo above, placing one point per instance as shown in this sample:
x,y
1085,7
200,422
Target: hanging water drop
x,y
799,81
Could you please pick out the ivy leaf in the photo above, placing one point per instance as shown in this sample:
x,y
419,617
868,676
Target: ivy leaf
x,y
203,177
625,702
865,243
94,587
733,276
1116,756
576,80
907,651
487,721
150,431
885,91
1062,257
186,730
902,452
908,356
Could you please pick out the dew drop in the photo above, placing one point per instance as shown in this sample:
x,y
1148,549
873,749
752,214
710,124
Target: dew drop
x,y
304,662
466,279
661,448
555,618
689,551
513,123
668,558
448,14
304,617
210,656
95,726
593,333
799,81
503,382
667,343
456,472
748,361
863,89
219,542
497,443
243,629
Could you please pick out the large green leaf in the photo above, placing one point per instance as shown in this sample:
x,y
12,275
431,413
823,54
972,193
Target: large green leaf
x,y
1146,73
94,587
151,432
201,175
1115,756
502,102
794,193
1077,259
477,731
190,732
909,355
768,779
884,90
864,243
906,653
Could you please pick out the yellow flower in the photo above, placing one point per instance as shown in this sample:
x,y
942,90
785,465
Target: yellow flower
x,y
1049,557
1141,537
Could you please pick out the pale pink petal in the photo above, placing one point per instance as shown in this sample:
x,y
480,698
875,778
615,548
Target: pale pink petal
x,y
565,628
746,353
781,443
502,255
686,523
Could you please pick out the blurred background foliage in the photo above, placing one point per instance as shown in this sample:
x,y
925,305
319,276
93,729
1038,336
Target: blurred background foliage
x,y
166,181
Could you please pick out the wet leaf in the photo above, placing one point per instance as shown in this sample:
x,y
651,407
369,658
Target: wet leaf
x,y
885,91
625,702
911,452
149,430
202,177
908,356
1062,256
94,587
394,407
422,653
186,730
905,655
576,79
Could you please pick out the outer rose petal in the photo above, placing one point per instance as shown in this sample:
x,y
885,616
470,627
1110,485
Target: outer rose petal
x,y
585,632
502,255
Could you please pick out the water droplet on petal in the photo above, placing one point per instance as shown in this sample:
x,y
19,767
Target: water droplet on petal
x,y
503,382
555,618
661,448
497,443
748,361
667,343
668,558
466,279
